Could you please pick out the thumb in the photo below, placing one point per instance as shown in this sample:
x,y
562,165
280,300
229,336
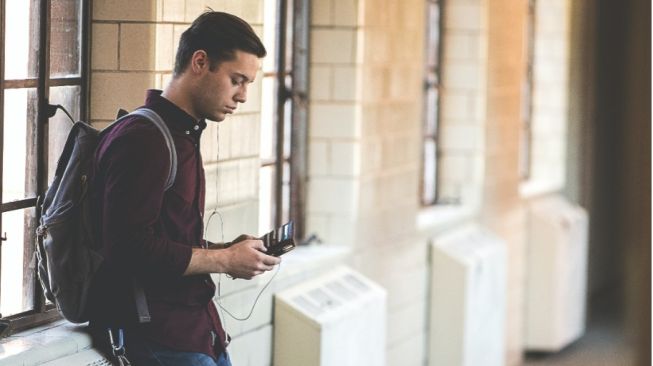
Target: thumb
x,y
243,237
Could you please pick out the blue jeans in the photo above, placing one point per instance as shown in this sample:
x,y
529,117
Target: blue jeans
x,y
150,354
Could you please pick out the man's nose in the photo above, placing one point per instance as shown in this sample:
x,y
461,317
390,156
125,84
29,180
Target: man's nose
x,y
241,96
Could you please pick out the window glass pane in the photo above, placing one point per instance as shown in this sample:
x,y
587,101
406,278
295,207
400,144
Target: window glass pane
x,y
21,39
431,112
270,34
287,122
524,152
65,38
59,125
266,201
431,103
527,97
433,36
19,153
430,171
268,130
289,35
287,128
17,278
285,194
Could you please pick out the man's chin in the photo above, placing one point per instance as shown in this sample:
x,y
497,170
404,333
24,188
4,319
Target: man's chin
x,y
218,117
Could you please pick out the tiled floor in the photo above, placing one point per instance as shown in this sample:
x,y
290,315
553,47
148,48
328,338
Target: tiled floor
x,y
602,345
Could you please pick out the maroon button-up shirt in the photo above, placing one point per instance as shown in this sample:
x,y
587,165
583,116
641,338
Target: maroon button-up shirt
x,y
149,233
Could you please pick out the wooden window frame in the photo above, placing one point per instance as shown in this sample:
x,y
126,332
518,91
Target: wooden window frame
x,y
526,132
429,196
41,312
291,63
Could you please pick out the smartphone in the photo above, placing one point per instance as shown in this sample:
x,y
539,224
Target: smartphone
x,y
279,241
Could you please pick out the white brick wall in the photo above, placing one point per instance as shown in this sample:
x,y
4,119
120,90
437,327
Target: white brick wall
x,y
344,158
241,353
464,15
365,136
337,46
364,126
550,95
409,351
337,196
321,83
133,49
331,120
463,114
501,210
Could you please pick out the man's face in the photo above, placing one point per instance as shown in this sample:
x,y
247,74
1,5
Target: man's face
x,y
222,89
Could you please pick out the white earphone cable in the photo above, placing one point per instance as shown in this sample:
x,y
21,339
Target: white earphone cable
x,y
208,222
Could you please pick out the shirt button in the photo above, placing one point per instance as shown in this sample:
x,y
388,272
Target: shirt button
x,y
187,132
196,127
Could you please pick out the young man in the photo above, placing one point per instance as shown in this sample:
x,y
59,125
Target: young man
x,y
154,236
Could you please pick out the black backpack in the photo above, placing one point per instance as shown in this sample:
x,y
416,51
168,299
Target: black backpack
x,y
66,248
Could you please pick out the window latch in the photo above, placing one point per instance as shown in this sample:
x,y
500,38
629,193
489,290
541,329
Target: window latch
x,y
3,237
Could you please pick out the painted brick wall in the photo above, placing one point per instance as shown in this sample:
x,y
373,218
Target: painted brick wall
x,y
133,48
502,209
334,120
366,75
365,123
463,104
550,93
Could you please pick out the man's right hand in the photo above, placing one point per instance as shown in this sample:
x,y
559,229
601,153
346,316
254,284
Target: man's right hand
x,y
247,258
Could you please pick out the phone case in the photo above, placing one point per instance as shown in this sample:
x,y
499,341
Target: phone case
x,y
280,240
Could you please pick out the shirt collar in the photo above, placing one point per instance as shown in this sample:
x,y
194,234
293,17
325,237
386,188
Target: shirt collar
x,y
177,119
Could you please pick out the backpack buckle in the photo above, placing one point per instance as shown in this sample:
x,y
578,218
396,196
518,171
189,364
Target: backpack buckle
x,y
117,348
42,230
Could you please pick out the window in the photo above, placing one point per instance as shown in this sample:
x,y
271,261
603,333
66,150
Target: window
x,y
429,189
526,137
283,115
43,61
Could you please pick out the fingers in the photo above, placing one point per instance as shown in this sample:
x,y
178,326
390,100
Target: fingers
x,y
256,269
258,244
270,261
247,275
249,259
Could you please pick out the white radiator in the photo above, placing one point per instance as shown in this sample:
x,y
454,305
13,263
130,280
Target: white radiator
x,y
556,271
337,319
468,299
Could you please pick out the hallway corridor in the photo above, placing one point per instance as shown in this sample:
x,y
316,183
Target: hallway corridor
x,y
603,343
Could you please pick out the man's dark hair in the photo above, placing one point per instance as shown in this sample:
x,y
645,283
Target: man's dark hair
x,y
220,35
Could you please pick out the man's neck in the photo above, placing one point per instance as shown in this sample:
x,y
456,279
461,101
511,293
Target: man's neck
x,y
175,93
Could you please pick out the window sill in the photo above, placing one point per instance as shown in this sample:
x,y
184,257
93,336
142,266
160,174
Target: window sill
x,y
436,218
63,339
535,188
43,344
299,262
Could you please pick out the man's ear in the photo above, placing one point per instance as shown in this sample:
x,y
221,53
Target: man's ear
x,y
199,61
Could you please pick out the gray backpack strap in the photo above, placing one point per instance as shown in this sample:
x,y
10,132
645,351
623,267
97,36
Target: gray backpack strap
x,y
158,122
142,309
139,293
